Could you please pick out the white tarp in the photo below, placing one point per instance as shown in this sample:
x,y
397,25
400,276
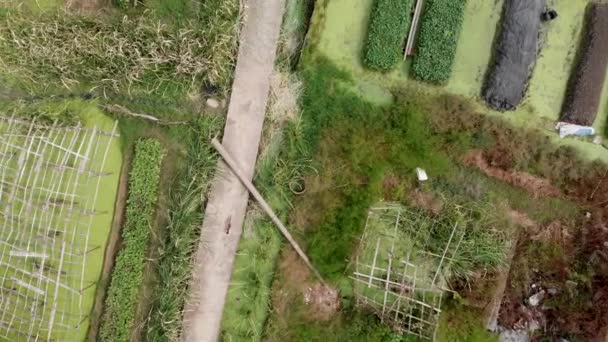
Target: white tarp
x,y
565,129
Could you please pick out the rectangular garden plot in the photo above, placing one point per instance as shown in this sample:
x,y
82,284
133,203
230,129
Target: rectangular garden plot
x,y
438,39
585,88
515,54
388,28
49,180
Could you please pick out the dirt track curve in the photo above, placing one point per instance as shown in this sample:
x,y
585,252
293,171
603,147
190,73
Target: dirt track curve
x,y
225,212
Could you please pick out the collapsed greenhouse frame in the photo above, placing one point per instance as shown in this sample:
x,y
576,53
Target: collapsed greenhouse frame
x,y
398,275
46,212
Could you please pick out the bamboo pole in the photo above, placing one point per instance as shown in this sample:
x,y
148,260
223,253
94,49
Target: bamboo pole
x,y
265,206
409,47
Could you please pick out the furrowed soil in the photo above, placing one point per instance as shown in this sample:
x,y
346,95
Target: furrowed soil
x,y
585,90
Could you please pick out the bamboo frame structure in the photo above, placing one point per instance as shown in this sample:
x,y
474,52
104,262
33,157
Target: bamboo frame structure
x,y
398,274
49,181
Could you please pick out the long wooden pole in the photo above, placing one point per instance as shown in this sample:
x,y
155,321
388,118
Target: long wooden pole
x,y
265,206
409,47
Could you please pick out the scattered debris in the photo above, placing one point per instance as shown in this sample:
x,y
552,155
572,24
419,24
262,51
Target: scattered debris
x,y
421,174
324,301
566,129
537,298
508,335
213,103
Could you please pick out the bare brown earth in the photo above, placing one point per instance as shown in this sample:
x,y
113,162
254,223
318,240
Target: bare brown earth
x,y
585,89
322,302
537,186
425,200
225,211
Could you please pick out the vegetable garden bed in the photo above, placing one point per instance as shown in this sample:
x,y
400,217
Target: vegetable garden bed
x,y
585,88
389,26
515,54
128,273
438,39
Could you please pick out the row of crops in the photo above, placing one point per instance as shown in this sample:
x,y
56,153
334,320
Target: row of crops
x,y
440,26
515,50
128,272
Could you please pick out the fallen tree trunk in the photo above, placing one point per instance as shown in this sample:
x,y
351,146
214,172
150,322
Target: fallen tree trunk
x,y
265,206
515,55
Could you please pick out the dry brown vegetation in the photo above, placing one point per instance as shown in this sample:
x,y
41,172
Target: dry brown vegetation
x,y
114,54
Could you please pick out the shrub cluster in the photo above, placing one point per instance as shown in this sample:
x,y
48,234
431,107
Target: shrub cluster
x,y
437,41
388,28
128,273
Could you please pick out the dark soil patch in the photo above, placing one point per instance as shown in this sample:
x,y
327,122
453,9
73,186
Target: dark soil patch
x,y
516,53
585,88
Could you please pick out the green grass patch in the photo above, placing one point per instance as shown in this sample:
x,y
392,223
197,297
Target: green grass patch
x,y
388,28
358,153
128,273
438,38
182,231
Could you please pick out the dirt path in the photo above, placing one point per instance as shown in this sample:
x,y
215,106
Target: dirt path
x,y
225,211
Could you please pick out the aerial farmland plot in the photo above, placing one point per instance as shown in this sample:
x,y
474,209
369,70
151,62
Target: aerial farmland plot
x,y
58,186
436,169
476,106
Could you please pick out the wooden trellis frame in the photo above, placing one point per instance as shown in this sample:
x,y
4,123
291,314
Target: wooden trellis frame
x,y
397,275
46,220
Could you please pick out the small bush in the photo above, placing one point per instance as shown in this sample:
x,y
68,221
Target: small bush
x,y
128,273
389,25
438,39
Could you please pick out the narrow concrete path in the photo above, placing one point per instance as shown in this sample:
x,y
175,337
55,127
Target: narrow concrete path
x,y
225,212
